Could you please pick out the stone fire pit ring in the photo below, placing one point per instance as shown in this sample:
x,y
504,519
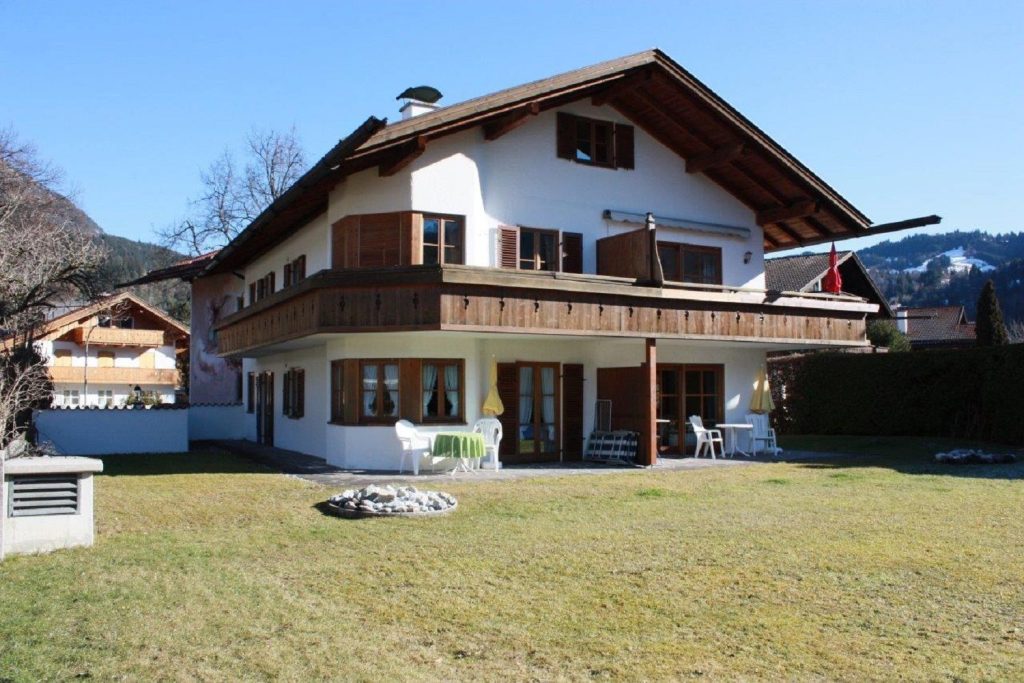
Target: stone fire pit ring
x,y
391,501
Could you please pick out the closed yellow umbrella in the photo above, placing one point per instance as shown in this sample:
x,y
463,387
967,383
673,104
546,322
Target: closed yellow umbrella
x,y
761,401
492,404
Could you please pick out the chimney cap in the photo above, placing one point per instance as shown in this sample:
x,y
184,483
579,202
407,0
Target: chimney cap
x,y
421,93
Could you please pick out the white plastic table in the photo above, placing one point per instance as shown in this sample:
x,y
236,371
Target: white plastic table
x,y
731,436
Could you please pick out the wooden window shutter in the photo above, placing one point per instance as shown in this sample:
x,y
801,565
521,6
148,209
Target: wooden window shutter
x,y
300,264
300,393
566,136
337,391
572,252
410,390
286,396
508,391
572,411
252,293
624,155
508,247
351,390
271,282
287,274
250,396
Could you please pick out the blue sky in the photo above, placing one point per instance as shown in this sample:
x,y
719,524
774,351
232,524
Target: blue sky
x,y
906,108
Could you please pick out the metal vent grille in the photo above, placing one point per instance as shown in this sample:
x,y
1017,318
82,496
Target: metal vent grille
x,y
43,495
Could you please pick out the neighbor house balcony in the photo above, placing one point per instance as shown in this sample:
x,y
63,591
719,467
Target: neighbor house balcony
x,y
117,336
108,375
486,300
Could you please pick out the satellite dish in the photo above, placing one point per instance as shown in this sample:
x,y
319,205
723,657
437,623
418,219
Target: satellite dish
x,y
421,93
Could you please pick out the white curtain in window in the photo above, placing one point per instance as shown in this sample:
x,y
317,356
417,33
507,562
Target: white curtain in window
x,y
547,387
451,387
370,390
429,384
525,396
391,384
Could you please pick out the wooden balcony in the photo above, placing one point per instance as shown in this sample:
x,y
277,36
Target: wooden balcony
x,y
462,298
98,375
116,336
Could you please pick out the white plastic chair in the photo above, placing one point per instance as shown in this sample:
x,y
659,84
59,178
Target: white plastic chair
x,y
762,434
706,438
414,445
490,428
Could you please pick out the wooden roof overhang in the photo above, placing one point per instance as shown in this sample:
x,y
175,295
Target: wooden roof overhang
x,y
793,205
63,324
489,300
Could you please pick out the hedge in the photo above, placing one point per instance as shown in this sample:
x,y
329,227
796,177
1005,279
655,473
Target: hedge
x,y
972,394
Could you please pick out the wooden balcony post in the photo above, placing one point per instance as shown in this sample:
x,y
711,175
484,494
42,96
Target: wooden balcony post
x,y
649,438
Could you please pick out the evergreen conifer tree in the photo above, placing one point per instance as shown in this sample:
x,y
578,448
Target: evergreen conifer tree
x,y
989,328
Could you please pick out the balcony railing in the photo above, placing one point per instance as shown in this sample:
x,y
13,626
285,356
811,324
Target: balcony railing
x,y
117,336
105,375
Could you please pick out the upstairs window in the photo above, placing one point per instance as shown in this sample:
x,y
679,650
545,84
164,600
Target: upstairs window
x,y
522,248
262,288
442,240
295,271
690,263
595,142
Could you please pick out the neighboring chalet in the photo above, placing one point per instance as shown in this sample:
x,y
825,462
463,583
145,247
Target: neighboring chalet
x,y
598,235
805,273
936,327
103,353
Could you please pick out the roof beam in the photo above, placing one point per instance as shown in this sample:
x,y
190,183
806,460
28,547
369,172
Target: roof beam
x,y
904,225
716,157
673,120
408,154
789,232
506,124
621,87
798,209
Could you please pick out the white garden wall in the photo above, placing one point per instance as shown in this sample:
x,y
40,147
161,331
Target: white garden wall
x,y
105,432
213,422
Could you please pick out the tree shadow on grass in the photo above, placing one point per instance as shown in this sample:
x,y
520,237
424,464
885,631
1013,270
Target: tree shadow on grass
x,y
908,464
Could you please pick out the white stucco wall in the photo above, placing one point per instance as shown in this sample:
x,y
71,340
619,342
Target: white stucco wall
x,y
211,422
518,180
312,240
374,447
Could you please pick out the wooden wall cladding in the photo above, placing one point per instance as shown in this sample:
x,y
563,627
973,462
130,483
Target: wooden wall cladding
x,y
625,255
377,240
473,307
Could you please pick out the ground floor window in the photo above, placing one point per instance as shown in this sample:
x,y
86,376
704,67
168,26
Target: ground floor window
x,y
382,391
294,399
70,397
105,398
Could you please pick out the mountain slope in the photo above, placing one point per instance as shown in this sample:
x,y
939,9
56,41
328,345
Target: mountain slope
x,y
950,269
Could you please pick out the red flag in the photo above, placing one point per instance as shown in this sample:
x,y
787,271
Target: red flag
x,y
833,282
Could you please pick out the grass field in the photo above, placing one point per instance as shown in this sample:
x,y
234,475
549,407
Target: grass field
x,y
873,566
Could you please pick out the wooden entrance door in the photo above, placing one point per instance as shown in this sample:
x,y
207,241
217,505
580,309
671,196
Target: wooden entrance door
x,y
532,394
265,408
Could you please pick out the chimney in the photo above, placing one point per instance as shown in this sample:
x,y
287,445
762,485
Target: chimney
x,y
901,320
421,99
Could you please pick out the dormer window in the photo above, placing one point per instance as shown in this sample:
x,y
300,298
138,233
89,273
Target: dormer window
x,y
594,142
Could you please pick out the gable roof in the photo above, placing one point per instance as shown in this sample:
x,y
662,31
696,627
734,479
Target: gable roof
x,y
793,205
938,325
185,269
801,272
59,325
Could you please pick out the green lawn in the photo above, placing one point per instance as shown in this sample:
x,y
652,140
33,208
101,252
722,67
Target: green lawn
x,y
209,568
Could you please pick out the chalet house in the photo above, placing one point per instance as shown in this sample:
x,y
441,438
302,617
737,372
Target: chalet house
x,y
936,327
597,235
105,352
806,273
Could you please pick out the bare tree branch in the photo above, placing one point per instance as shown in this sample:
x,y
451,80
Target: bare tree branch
x,y
233,195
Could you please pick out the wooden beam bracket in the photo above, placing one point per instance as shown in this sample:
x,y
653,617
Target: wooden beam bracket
x,y
798,209
621,87
716,157
509,122
407,154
